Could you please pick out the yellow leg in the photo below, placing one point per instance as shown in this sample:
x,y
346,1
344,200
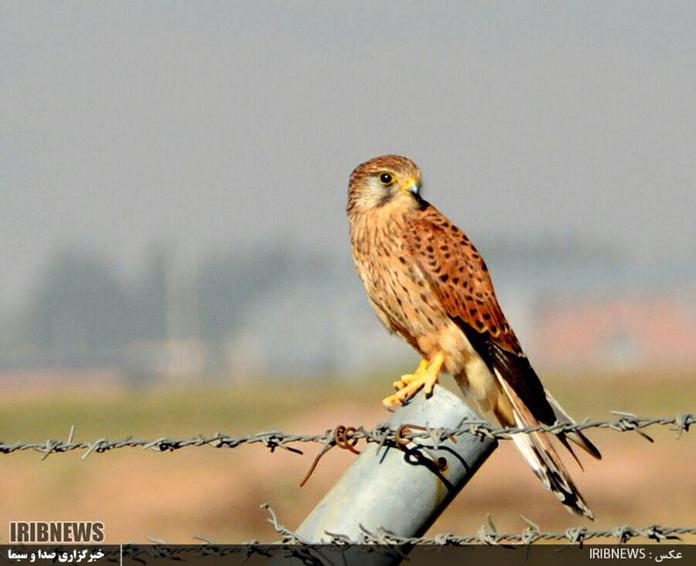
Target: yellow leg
x,y
409,377
425,376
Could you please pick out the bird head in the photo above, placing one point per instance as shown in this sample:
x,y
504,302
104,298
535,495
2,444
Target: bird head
x,y
385,180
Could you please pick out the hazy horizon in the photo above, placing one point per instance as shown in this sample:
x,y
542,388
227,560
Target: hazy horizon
x,y
220,125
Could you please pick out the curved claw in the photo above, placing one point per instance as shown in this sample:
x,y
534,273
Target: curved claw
x,y
405,380
425,377
408,378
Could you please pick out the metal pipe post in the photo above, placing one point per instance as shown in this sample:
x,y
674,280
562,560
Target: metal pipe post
x,y
402,490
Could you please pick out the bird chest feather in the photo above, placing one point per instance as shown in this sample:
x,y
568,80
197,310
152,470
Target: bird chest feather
x,y
396,287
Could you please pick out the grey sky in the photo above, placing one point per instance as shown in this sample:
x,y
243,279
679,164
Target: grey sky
x,y
214,124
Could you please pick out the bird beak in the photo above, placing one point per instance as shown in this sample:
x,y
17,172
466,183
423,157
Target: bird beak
x,y
411,186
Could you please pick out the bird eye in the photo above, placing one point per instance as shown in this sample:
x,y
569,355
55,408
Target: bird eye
x,y
386,179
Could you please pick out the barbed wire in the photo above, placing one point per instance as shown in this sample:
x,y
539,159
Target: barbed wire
x,y
348,437
488,534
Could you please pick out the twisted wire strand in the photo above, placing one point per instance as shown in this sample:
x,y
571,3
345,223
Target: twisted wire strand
x,y
489,535
350,436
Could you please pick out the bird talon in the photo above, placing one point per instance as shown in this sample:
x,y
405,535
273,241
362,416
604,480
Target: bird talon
x,y
405,381
425,377
392,402
409,378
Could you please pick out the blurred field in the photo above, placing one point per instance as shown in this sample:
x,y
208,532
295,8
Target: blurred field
x,y
217,493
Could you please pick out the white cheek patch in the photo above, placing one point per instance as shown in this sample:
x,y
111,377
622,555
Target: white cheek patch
x,y
377,194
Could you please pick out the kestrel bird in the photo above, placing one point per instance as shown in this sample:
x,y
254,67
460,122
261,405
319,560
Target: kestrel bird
x,y
428,284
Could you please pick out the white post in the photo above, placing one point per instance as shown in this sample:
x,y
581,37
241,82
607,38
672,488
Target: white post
x,y
402,490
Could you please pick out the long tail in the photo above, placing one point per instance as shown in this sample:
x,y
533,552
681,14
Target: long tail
x,y
537,449
577,437
513,391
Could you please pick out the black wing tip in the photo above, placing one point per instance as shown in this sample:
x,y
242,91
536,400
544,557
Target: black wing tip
x,y
589,446
515,369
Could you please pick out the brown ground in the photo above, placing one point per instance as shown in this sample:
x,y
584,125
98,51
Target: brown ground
x,y
216,493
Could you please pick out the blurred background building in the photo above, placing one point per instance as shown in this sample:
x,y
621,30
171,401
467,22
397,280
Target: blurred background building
x,y
283,310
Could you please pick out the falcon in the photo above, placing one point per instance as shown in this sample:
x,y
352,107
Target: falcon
x,y
429,284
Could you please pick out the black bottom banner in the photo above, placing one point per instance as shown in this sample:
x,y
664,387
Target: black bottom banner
x,y
369,555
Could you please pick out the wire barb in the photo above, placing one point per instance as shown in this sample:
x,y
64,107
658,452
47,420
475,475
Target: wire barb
x,y
348,437
488,534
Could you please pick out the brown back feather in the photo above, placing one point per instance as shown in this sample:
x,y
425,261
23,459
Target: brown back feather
x,y
460,279
459,276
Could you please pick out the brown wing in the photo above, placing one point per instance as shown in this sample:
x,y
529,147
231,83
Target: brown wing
x,y
460,279
460,276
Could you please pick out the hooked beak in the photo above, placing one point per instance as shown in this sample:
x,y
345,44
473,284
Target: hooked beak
x,y
411,186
